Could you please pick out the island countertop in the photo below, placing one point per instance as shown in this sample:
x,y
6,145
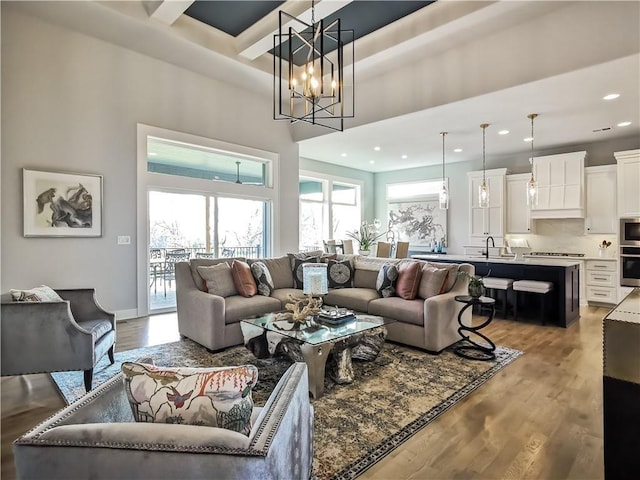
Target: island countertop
x,y
545,261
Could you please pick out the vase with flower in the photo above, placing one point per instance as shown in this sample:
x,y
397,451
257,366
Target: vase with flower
x,y
366,236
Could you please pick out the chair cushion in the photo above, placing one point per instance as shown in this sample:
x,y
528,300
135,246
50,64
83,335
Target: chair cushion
x,y
238,307
352,298
261,274
37,294
497,283
243,279
534,286
98,328
282,294
409,275
433,281
406,311
280,270
213,397
219,279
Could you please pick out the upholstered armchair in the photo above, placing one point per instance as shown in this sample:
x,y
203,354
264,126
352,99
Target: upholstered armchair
x,y
96,437
54,336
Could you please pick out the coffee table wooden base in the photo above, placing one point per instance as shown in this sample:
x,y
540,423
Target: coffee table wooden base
x,y
337,354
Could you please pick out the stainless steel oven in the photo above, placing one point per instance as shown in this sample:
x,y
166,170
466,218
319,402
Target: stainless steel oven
x,y
629,266
630,232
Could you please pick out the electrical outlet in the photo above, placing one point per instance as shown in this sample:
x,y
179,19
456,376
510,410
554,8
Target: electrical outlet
x,y
124,240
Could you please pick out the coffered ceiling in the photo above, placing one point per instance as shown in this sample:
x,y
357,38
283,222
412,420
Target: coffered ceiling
x,y
426,67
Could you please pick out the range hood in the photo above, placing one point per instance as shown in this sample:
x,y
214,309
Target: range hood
x,y
560,186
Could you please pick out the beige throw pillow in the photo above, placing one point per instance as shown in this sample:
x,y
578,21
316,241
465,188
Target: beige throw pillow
x,y
432,282
37,294
218,279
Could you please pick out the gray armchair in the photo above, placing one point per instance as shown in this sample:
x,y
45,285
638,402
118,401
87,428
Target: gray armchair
x,y
96,437
44,337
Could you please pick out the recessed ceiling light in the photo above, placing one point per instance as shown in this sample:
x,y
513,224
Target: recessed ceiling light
x,y
457,150
404,157
152,154
503,132
377,149
343,154
372,162
624,124
611,96
528,139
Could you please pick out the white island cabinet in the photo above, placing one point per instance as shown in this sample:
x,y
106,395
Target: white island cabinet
x,y
601,213
628,181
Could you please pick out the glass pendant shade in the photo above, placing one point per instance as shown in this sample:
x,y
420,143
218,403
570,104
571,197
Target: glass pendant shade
x,y
444,197
532,192
483,195
532,185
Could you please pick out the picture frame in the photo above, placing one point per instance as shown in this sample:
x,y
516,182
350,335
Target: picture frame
x,y
419,222
57,204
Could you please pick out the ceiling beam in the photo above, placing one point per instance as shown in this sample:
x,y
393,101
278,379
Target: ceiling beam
x,y
258,39
167,11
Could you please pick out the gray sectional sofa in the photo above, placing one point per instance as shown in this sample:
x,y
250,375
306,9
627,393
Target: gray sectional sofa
x,y
427,323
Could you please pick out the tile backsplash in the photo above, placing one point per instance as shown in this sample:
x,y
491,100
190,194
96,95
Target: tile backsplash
x,y
566,236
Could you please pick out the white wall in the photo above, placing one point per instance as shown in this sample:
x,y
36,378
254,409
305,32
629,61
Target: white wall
x,y
72,103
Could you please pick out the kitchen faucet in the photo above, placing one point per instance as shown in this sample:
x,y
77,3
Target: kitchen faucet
x,y
486,246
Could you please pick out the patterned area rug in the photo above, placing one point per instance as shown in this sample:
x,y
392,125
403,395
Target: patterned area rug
x,y
356,425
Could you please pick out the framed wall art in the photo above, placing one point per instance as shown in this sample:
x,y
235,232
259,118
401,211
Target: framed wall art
x,y
61,204
418,222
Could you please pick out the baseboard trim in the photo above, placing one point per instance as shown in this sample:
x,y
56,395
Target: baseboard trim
x,y
126,314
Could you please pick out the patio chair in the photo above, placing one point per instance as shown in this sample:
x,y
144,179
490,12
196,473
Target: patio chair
x,y
171,258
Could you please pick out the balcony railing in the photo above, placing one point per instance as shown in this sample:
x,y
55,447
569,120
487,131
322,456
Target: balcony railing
x,y
160,253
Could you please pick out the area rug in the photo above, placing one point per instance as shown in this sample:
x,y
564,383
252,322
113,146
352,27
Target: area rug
x,y
356,425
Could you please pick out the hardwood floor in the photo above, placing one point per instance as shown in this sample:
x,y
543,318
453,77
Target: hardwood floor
x,y
540,418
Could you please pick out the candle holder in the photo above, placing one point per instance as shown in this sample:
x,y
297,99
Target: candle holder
x,y
314,280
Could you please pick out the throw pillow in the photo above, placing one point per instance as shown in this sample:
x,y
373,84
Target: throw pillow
x,y
297,260
386,282
219,279
213,397
38,294
433,281
409,275
340,273
243,279
452,278
263,278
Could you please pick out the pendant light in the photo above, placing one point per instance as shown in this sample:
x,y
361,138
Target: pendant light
x,y
444,194
483,190
532,186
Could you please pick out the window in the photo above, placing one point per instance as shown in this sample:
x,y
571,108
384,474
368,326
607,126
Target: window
x,y
329,207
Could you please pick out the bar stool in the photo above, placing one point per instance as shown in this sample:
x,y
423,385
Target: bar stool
x,y
532,286
497,283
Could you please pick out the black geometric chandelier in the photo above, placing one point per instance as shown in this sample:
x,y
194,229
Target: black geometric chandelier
x,y
308,72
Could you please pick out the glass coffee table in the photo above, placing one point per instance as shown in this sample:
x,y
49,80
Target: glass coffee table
x,y
361,337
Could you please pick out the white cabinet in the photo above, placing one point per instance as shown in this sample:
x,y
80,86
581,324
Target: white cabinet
x,y
517,210
602,280
601,213
628,181
490,220
560,185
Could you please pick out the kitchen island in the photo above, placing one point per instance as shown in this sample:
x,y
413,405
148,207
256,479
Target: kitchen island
x,y
564,274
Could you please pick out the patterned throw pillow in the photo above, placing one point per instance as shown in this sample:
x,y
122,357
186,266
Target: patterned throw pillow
x,y
297,260
340,273
409,274
218,279
243,279
433,281
386,282
264,282
213,397
38,294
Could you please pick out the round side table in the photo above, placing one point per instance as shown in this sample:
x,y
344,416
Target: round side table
x,y
472,349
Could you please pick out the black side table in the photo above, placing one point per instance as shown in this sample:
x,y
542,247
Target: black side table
x,y
474,350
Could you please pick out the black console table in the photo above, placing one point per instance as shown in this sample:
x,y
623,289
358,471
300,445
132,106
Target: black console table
x,y
472,349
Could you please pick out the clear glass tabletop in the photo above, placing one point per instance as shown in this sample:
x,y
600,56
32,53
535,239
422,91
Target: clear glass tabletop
x,y
316,332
